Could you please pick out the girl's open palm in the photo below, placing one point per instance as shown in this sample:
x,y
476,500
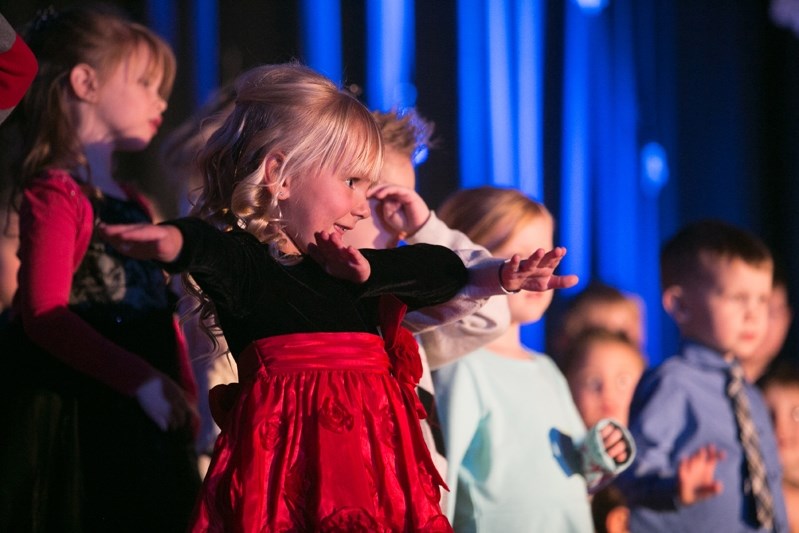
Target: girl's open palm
x,y
536,273
338,260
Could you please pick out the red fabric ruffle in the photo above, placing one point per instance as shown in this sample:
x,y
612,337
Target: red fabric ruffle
x,y
321,436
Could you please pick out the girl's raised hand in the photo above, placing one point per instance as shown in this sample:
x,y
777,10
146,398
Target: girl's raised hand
x,y
338,260
401,210
536,273
144,241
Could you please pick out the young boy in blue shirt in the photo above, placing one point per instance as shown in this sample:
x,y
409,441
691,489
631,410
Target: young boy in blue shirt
x,y
691,472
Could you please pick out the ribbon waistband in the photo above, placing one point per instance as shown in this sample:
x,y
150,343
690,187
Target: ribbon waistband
x,y
314,351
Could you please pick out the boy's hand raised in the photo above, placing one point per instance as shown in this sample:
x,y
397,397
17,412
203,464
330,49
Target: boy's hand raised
x,y
696,475
338,260
401,210
536,273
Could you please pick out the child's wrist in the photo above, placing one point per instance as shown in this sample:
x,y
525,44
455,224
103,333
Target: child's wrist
x,y
502,285
409,234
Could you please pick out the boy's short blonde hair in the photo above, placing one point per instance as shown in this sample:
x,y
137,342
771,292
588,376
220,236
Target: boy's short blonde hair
x,y
405,133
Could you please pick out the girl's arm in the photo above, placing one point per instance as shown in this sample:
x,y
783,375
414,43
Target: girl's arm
x,y
55,227
471,319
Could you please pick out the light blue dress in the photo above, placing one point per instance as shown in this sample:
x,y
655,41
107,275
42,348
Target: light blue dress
x,y
513,437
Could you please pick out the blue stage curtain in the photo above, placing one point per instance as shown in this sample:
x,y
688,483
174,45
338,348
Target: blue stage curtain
x,y
500,87
321,36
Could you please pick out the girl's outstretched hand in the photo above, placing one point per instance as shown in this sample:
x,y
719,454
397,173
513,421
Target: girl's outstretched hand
x,y
339,260
401,210
144,241
536,273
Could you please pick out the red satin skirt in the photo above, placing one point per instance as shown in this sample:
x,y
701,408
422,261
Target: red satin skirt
x,y
319,436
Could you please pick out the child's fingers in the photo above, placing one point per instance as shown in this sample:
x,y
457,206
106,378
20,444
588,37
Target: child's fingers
x,y
563,282
610,431
618,450
543,260
552,258
514,264
383,191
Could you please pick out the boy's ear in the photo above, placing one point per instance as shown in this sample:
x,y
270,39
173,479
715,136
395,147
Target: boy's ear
x,y
84,82
273,164
674,304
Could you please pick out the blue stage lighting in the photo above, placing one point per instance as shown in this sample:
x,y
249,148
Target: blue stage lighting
x,y
592,7
654,168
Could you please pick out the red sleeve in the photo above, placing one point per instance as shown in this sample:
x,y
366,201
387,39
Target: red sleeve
x,y
18,67
56,222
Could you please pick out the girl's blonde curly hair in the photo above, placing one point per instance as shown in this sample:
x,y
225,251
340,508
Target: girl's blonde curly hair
x,y
301,118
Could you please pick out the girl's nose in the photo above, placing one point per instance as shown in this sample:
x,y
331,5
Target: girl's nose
x,y
361,208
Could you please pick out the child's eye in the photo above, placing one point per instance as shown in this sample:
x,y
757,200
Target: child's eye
x,y
351,182
145,82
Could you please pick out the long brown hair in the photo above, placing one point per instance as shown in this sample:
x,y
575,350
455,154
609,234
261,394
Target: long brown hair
x,y
98,37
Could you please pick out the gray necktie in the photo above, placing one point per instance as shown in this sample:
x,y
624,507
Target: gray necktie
x,y
758,485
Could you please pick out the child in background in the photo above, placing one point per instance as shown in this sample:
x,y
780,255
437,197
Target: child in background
x,y
602,368
780,317
98,390
599,305
700,466
519,455
464,323
780,388
323,432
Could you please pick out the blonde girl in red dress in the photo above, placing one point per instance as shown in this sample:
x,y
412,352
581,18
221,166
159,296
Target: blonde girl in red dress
x,y
322,433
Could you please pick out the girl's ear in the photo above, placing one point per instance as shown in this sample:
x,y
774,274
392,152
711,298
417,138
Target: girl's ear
x,y
674,304
84,82
272,175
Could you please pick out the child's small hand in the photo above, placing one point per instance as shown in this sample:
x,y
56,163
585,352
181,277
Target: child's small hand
x,y
615,444
536,272
144,241
338,260
696,475
401,210
165,404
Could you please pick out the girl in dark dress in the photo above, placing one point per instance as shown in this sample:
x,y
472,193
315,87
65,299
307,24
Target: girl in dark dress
x,y
97,398
322,432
